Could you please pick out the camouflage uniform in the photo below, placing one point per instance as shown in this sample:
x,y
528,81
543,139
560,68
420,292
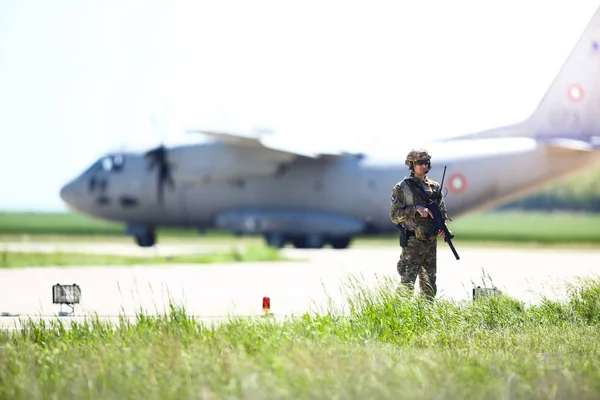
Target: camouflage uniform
x,y
419,255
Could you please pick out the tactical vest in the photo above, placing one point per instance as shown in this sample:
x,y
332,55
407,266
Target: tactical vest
x,y
413,197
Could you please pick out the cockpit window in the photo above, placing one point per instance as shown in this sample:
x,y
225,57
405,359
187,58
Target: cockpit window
x,y
109,163
118,161
112,163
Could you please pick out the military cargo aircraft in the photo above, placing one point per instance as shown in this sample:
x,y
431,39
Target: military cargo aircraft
x,y
313,197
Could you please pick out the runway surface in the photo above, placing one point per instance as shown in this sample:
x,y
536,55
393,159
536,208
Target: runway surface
x,y
213,291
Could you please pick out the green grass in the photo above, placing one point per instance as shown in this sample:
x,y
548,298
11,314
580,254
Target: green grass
x,y
73,224
10,259
504,227
579,192
386,346
551,227
517,229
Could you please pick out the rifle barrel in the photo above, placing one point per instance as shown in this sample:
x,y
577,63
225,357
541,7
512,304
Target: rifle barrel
x,y
453,249
443,176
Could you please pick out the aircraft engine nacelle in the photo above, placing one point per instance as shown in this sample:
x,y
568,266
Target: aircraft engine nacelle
x,y
289,221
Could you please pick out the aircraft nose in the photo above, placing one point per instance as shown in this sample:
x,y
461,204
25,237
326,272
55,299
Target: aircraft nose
x,y
68,193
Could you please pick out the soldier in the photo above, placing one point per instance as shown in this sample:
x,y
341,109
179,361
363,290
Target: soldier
x,y
409,212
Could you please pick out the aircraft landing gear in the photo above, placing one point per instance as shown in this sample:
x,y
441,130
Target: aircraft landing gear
x,y
144,236
308,242
340,242
146,240
276,240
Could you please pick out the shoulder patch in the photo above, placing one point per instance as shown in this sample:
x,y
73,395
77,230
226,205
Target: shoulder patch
x,y
394,193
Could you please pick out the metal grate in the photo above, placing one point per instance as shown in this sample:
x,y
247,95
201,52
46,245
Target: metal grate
x,y
479,292
66,294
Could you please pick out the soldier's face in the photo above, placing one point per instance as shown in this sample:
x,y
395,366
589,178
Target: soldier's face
x,y
421,167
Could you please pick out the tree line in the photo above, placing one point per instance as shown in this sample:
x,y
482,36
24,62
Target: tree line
x,y
580,192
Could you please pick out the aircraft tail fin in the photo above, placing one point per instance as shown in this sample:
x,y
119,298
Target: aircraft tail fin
x,y
569,108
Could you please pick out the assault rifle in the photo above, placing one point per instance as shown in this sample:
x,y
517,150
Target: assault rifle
x,y
438,220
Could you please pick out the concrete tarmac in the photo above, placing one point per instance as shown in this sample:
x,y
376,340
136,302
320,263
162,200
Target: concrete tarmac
x,y
116,248
214,291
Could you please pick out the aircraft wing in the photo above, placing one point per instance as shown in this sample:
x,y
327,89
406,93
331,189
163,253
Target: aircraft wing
x,y
564,144
554,142
303,148
230,137
509,131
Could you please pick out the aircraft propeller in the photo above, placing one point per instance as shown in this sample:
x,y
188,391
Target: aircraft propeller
x,y
157,158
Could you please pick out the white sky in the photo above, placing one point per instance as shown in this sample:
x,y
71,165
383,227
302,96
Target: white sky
x,y
78,78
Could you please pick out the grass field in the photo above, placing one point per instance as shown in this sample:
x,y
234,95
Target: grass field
x,y
507,227
72,224
11,259
385,347
557,227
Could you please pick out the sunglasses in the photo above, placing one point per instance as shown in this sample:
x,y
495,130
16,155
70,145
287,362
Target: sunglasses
x,y
422,162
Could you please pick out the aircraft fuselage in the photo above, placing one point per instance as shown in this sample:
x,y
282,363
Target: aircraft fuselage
x,y
336,191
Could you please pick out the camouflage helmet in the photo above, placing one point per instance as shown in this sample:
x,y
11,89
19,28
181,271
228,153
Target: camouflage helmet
x,y
415,155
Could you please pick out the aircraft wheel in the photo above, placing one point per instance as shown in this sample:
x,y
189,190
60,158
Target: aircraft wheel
x,y
314,241
146,240
299,243
276,240
308,242
340,243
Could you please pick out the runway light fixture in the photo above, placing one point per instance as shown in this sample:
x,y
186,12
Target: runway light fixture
x,y
68,295
480,292
266,306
